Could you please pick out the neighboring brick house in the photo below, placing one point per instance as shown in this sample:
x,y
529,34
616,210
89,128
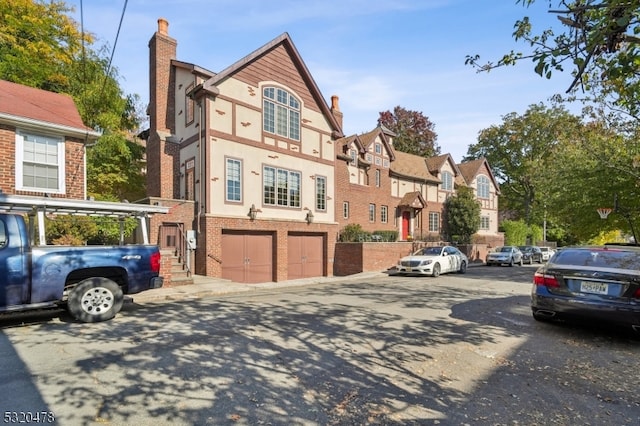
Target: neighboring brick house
x,y
245,158
43,142
386,190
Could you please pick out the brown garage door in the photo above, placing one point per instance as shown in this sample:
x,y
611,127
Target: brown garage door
x,y
247,258
306,256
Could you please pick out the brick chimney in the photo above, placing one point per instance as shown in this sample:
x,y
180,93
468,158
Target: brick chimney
x,y
335,109
162,155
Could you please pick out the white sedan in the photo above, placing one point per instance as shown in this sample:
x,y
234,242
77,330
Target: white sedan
x,y
433,261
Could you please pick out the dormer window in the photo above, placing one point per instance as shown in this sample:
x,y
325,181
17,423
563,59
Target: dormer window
x,y
281,113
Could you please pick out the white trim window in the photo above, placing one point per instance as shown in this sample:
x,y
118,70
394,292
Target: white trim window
x,y
447,181
40,163
233,172
483,186
345,210
280,187
281,113
434,222
372,212
384,215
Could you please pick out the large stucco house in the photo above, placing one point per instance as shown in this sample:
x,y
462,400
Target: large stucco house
x,y
260,178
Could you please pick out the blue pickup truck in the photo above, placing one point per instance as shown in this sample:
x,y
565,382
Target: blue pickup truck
x,y
90,281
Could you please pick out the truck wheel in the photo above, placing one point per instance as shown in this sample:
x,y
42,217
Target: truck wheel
x,y
95,299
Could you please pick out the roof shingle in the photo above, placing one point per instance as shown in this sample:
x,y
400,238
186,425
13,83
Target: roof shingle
x,y
40,105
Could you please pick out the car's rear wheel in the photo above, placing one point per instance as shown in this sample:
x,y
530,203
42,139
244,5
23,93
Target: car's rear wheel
x,y
436,270
95,299
463,267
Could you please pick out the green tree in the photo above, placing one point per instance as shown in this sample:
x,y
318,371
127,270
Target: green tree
x,y
520,151
116,169
42,46
414,132
515,232
38,43
462,215
598,42
589,170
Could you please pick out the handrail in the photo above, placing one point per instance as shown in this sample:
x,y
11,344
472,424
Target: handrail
x,y
182,246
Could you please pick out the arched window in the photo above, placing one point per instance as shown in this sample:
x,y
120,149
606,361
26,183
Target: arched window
x,y
281,113
483,186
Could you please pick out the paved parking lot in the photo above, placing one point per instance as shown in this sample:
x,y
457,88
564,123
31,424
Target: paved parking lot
x,y
457,349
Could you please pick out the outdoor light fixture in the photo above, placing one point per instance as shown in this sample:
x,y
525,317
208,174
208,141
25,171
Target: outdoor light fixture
x,y
309,217
253,212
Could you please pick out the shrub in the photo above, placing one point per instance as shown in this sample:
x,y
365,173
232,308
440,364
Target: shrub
x,y
353,233
385,236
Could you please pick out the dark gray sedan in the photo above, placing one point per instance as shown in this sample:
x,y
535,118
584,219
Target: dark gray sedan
x,y
531,254
597,282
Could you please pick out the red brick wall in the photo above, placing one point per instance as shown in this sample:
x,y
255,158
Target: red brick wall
x,y
180,211
74,168
7,159
353,258
360,196
165,266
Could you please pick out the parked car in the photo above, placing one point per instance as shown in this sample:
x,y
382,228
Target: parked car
x,y
597,282
547,252
89,281
509,255
433,261
531,254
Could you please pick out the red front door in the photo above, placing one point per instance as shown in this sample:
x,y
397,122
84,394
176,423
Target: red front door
x,y
406,217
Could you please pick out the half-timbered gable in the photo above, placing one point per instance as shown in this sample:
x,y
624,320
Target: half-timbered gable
x,y
478,175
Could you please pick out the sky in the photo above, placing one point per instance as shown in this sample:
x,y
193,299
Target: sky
x,y
373,54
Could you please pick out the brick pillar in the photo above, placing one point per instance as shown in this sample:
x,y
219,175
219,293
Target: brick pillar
x,y
162,156
335,110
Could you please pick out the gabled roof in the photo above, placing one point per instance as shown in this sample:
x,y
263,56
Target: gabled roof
x,y
436,163
471,169
36,107
369,137
413,199
210,85
205,73
345,143
412,167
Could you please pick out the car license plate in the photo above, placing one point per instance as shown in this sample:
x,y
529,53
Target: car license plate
x,y
594,287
